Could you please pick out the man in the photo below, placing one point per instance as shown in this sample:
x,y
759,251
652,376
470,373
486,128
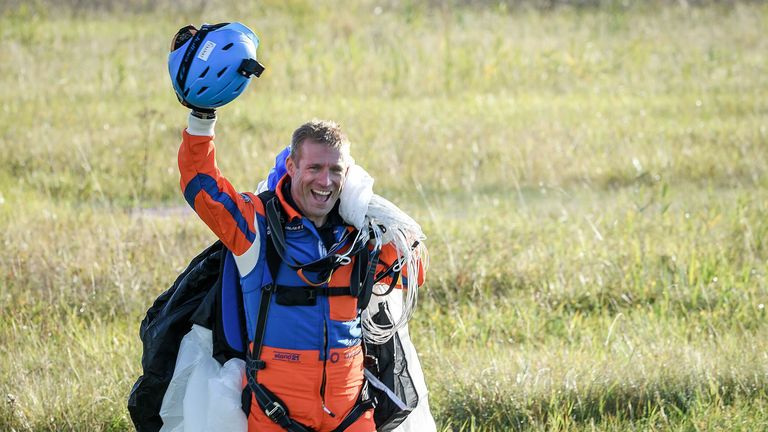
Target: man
x,y
311,347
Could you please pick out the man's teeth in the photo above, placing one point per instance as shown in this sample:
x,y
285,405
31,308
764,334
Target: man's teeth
x,y
323,193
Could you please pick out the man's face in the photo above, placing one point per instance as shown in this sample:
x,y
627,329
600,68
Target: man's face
x,y
316,179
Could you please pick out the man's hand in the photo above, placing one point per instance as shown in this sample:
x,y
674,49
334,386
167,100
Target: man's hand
x,y
201,113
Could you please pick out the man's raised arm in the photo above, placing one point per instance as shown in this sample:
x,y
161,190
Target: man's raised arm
x,y
229,214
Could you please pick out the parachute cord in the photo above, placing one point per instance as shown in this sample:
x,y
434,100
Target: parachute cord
x,y
403,233
360,235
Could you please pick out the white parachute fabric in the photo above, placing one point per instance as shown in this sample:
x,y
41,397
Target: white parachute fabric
x,y
420,419
203,395
355,196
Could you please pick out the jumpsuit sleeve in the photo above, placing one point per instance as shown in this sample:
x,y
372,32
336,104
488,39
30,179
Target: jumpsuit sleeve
x,y
229,214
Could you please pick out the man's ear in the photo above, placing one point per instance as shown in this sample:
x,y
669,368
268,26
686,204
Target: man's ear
x,y
290,166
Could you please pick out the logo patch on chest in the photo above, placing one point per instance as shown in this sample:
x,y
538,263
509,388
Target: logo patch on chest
x,y
285,356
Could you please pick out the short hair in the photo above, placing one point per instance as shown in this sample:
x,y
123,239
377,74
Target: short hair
x,y
324,132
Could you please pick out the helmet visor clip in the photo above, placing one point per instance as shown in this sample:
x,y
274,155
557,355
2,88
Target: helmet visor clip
x,y
250,67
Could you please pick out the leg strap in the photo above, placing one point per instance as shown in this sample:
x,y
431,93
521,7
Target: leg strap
x,y
355,414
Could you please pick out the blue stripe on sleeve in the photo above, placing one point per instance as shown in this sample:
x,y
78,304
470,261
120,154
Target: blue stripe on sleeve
x,y
204,182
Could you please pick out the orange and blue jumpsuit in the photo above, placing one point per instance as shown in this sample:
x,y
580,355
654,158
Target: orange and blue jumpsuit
x,y
313,354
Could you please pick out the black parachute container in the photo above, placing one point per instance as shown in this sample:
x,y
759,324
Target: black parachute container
x,y
391,382
205,293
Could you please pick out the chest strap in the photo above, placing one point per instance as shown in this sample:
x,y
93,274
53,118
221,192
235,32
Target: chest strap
x,y
306,295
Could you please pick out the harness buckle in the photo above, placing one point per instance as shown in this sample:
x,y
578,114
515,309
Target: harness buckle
x,y
256,365
275,412
371,362
311,294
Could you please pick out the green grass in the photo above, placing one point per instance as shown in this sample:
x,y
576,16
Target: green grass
x,y
592,179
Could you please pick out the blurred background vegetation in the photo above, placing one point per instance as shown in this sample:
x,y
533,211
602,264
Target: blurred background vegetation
x,y
591,176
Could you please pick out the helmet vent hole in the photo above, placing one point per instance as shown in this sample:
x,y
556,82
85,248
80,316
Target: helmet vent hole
x,y
202,90
186,92
205,72
227,46
221,72
239,87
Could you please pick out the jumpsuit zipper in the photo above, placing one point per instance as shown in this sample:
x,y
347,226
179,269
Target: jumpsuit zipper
x,y
325,362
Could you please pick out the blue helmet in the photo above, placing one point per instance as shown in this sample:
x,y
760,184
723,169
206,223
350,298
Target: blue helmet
x,y
212,66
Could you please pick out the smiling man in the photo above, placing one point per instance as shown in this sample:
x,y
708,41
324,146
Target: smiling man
x,y
308,368
317,166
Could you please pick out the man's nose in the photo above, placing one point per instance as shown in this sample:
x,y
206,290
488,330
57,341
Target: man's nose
x,y
325,178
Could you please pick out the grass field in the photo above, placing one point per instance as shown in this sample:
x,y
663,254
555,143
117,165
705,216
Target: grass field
x,y
593,180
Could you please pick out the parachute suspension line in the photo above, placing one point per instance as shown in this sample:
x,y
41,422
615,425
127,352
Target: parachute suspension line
x,y
361,236
389,224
